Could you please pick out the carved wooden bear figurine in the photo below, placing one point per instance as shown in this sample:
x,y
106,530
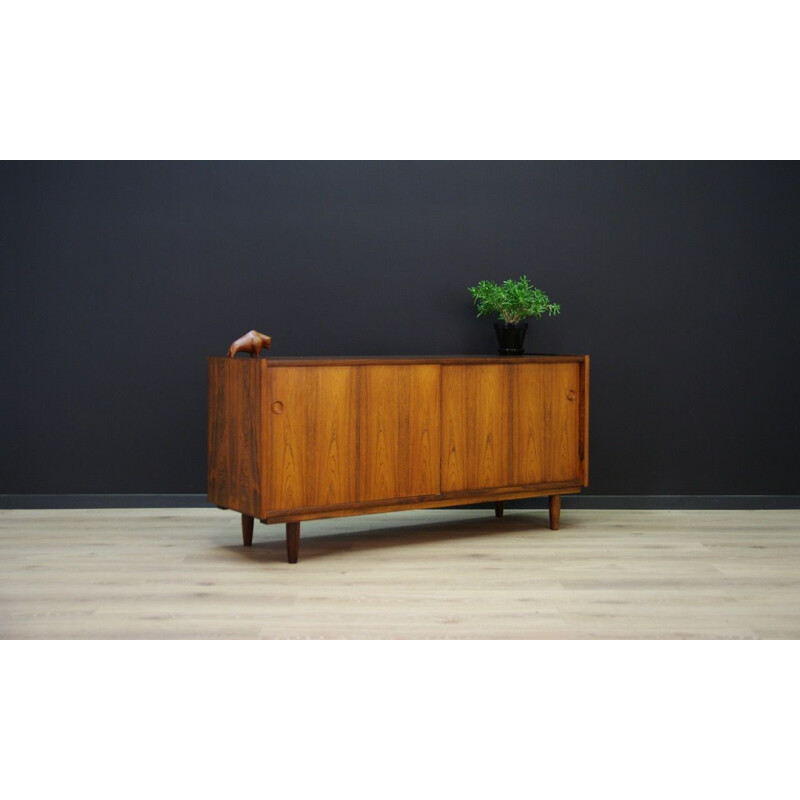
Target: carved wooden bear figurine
x,y
251,342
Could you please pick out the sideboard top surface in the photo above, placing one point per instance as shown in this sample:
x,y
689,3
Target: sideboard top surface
x,y
316,361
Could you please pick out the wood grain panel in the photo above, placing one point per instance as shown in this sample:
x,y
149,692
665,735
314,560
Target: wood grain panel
x,y
583,442
475,427
546,419
356,361
236,388
501,494
399,432
311,436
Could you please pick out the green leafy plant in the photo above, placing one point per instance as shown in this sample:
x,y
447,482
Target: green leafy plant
x,y
513,301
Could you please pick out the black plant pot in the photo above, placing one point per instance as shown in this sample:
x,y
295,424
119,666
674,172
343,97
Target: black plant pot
x,y
510,337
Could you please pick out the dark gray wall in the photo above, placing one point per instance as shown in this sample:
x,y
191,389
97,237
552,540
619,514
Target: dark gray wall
x,y
681,280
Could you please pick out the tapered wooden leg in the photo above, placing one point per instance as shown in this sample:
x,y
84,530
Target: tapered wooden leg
x,y
292,541
247,530
555,511
498,509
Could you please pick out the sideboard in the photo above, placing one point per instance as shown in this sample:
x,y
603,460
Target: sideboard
x,y
294,439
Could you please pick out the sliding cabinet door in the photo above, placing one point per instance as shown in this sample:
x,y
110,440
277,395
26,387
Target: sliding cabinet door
x,y
546,423
476,411
311,436
399,436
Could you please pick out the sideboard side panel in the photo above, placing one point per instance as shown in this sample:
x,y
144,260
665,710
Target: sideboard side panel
x,y
584,437
236,390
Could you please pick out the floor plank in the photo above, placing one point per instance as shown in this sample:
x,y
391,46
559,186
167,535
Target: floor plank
x,y
607,574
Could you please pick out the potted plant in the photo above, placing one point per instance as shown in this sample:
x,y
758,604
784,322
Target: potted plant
x,y
513,301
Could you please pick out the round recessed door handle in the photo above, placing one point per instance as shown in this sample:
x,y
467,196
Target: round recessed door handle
x,y
277,407
570,394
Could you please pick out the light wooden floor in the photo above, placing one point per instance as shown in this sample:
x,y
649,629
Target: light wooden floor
x,y
183,574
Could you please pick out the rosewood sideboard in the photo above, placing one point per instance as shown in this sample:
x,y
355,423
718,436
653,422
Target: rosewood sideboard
x,y
294,439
